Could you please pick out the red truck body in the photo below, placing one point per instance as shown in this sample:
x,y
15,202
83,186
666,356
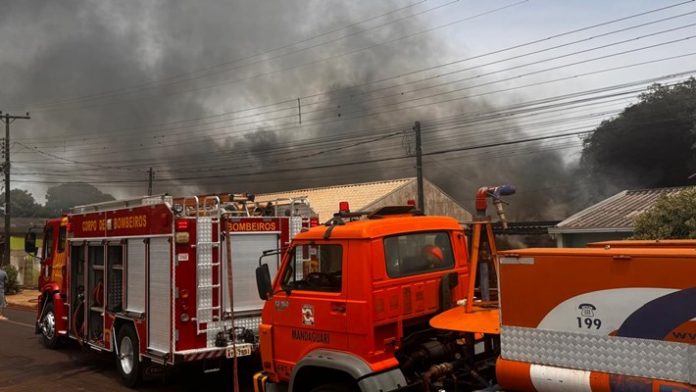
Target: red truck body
x,y
154,271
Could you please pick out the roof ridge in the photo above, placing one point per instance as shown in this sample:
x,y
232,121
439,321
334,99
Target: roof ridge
x,y
404,179
662,189
408,181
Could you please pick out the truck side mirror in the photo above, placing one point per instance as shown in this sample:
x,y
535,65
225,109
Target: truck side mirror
x,y
30,243
263,282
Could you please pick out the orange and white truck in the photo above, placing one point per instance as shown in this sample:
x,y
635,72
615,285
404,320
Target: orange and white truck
x,y
393,301
159,280
595,319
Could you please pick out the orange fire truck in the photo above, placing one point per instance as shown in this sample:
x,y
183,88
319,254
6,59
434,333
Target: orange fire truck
x,y
391,301
160,280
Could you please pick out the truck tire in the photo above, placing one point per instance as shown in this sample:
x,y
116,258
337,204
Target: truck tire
x,y
47,327
335,387
127,357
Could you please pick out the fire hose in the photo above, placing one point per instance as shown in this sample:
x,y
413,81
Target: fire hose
x,y
97,299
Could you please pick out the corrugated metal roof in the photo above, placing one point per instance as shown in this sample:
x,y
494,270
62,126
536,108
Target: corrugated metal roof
x,y
616,213
324,201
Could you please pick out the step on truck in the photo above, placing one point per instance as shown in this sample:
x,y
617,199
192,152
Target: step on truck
x,y
396,301
160,281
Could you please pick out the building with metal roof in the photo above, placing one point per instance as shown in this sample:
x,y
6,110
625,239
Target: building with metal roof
x,y
610,219
368,196
27,266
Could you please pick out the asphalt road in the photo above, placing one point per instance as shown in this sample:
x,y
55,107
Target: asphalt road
x,y
25,365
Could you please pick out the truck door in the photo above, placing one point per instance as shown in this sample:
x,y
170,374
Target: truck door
x,y
310,307
53,254
46,256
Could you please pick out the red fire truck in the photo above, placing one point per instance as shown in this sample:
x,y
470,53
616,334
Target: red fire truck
x,y
160,280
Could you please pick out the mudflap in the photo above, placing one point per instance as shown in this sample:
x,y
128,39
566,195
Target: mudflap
x,y
213,365
261,384
153,370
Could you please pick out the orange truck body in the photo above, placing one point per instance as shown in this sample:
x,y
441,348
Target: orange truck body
x,y
644,244
617,316
363,324
598,319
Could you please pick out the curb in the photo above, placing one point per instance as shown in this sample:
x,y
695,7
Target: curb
x,y
22,301
29,307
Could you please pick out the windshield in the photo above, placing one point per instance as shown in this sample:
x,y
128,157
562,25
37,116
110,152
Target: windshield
x,y
416,253
314,268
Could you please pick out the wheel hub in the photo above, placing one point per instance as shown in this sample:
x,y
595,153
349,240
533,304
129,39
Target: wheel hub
x,y
126,355
48,327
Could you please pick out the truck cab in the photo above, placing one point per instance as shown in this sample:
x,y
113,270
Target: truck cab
x,y
52,280
348,292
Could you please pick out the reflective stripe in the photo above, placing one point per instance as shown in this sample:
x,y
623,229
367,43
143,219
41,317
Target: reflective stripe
x,y
553,379
517,260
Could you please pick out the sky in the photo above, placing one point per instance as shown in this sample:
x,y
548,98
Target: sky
x,y
249,96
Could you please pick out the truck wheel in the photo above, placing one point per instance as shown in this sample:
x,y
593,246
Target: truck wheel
x,y
127,358
47,327
335,387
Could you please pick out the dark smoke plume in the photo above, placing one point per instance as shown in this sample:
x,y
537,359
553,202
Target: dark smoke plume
x,y
55,50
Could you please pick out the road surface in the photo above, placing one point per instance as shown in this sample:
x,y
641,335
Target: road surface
x,y
25,365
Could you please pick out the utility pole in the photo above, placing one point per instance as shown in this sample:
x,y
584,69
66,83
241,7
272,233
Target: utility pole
x,y
8,119
419,166
151,177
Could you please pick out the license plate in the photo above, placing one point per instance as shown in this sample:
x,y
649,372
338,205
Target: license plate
x,y
243,350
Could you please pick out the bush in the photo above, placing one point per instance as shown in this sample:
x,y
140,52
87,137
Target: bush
x,y
12,285
672,217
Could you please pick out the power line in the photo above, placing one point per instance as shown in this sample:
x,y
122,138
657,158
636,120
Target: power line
x,y
541,101
321,60
434,67
229,62
361,162
391,104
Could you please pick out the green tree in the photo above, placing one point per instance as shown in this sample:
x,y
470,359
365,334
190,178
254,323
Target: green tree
x,y
22,204
672,217
62,197
650,144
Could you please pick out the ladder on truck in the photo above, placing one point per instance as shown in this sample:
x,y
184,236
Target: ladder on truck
x,y
119,204
209,302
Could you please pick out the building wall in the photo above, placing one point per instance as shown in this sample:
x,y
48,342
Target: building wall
x,y
436,201
28,267
580,240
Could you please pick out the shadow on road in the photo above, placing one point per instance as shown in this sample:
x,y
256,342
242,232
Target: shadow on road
x,y
25,365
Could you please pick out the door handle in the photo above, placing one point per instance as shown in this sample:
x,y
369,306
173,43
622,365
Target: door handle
x,y
338,307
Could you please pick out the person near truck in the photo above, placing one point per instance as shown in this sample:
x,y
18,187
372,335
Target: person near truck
x,y
3,283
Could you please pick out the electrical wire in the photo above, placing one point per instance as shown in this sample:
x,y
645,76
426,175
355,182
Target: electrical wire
x,y
428,78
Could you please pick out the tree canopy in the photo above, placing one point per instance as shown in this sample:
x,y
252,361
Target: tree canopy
x,y
672,217
650,144
62,197
22,204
